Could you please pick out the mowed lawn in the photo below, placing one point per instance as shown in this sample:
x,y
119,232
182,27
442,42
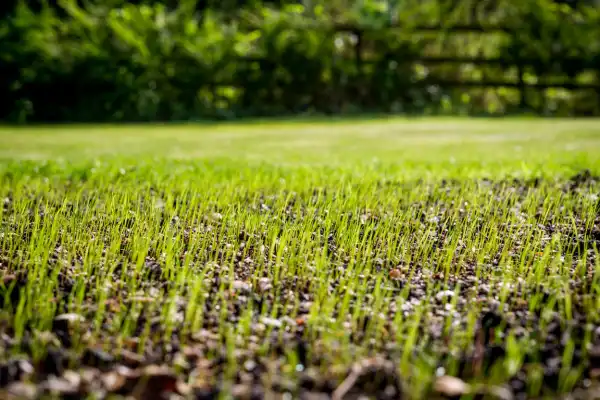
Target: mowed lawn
x,y
400,258
511,145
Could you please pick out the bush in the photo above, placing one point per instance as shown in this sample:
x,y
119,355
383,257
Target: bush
x,y
158,60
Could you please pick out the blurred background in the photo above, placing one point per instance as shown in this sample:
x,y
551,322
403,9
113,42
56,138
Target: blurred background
x,y
169,60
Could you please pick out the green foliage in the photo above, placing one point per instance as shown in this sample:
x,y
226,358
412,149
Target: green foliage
x,y
158,60
549,32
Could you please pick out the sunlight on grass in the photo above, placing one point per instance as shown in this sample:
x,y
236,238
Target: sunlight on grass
x,y
275,257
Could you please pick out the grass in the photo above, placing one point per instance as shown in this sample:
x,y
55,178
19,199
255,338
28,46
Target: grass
x,y
288,260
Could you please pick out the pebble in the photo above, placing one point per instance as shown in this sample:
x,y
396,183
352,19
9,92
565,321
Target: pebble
x,y
70,317
249,365
272,322
22,390
241,286
451,386
264,284
59,386
444,293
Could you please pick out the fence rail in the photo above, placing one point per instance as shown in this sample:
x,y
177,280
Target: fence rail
x,y
363,28
455,28
517,63
545,71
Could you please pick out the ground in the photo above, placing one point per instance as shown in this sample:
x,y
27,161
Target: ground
x,y
401,258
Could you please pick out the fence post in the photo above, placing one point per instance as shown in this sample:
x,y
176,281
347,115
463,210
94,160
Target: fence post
x,y
359,62
522,87
597,109
335,82
517,49
358,51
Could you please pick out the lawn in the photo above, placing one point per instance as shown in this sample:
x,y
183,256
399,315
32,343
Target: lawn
x,y
401,258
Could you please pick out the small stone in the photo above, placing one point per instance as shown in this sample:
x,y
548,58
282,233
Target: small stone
x,y
128,372
70,317
443,294
259,328
241,286
157,370
597,332
264,284
72,377
192,353
59,386
451,386
89,375
595,352
500,393
26,367
113,381
249,365
272,322
183,388
240,391
22,390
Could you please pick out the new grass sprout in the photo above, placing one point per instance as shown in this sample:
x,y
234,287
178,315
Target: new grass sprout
x,y
385,259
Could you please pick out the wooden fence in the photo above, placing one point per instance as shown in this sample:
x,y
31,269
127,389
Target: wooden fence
x,y
515,62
